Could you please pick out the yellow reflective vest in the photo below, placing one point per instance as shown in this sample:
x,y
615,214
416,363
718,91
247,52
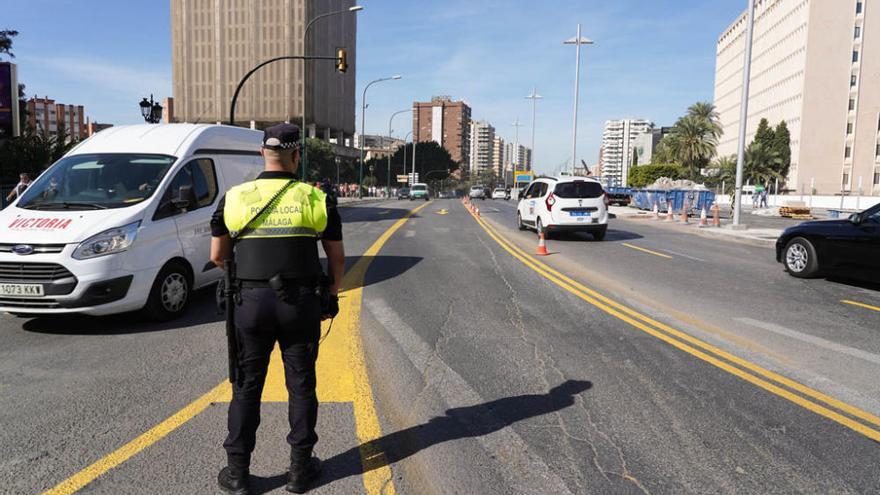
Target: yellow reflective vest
x,y
300,212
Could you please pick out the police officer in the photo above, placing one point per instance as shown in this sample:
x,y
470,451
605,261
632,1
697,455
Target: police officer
x,y
277,270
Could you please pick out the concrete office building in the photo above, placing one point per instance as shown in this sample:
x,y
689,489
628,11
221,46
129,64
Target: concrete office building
x,y
815,64
47,116
482,146
445,122
618,145
376,146
518,157
216,42
498,157
646,143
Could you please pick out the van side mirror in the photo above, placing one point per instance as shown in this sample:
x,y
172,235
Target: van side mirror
x,y
856,219
186,198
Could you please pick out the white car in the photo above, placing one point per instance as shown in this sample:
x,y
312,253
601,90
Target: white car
x,y
564,204
122,221
499,193
477,192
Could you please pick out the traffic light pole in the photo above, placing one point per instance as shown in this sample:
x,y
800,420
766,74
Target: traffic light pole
x,y
339,60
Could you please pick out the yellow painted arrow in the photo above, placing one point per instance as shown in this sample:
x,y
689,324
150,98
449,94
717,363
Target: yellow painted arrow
x,y
442,212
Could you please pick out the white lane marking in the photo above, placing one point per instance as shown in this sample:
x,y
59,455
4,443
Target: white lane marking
x,y
683,255
812,339
410,233
531,474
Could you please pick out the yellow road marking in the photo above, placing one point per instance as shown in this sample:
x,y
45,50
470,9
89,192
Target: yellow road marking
x,y
861,305
153,435
340,364
442,212
641,322
655,253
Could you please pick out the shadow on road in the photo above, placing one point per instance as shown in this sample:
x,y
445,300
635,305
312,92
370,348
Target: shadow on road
x,y
854,282
202,310
458,423
613,235
357,214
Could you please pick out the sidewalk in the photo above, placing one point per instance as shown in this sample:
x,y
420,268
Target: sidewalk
x,y
761,231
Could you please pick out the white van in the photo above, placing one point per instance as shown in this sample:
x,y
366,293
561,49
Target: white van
x,y
564,204
122,221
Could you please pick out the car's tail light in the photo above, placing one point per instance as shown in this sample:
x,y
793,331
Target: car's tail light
x,y
550,201
605,198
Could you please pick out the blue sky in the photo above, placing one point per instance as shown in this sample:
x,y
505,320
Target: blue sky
x,y
652,58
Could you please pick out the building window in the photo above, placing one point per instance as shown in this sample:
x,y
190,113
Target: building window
x,y
847,153
858,33
845,182
849,128
853,80
877,178
852,104
855,56
858,8
877,151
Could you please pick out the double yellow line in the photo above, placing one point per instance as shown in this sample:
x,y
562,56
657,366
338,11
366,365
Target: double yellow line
x,y
806,397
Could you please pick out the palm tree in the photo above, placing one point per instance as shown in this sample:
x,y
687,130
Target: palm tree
x,y
692,143
706,112
762,163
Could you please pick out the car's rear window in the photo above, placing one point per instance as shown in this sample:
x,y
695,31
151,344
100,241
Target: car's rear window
x,y
419,188
578,189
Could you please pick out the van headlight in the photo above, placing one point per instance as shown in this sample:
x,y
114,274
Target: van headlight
x,y
107,242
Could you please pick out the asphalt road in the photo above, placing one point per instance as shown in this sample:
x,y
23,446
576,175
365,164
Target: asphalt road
x,y
490,373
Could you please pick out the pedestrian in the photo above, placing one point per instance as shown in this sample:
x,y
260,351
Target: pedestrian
x,y
764,195
24,180
267,231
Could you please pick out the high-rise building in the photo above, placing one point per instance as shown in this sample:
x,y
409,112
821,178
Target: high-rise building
x,y
482,146
618,145
498,162
646,143
518,156
47,116
445,122
216,42
815,65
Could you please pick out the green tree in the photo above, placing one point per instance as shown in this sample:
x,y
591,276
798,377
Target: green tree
x,y
706,112
762,163
643,175
764,135
782,146
692,144
6,36
321,160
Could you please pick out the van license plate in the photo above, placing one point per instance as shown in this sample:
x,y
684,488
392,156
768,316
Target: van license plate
x,y
23,290
579,213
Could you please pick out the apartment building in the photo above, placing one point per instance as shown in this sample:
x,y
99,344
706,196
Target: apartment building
x,y
518,157
815,65
45,115
619,142
215,43
482,146
498,157
445,122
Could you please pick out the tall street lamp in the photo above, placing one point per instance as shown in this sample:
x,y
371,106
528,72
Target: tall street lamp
x,y
534,97
744,113
151,111
353,8
389,137
577,41
515,159
363,124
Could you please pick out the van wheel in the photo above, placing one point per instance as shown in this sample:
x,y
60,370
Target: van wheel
x,y
170,293
519,223
539,228
599,234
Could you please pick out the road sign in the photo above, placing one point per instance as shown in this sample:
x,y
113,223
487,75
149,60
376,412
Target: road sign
x,y
403,179
523,176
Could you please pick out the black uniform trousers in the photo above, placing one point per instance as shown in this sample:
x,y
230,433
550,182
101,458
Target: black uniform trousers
x,y
261,319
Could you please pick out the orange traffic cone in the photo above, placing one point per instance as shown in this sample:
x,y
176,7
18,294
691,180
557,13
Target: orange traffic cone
x,y
716,221
669,215
542,246
704,222
477,211
684,213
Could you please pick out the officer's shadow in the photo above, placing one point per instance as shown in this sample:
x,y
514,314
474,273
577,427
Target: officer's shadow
x,y
458,423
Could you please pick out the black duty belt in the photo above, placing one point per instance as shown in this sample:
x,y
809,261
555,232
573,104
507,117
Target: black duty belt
x,y
291,281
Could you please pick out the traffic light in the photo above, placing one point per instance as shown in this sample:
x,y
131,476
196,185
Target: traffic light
x,y
341,60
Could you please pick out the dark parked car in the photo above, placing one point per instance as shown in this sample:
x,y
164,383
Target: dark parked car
x,y
403,193
850,247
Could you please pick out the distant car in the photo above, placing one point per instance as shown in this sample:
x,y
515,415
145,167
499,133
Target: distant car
x,y
444,195
500,193
403,193
565,204
833,247
477,192
419,191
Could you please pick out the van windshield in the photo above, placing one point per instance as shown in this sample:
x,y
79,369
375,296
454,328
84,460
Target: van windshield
x,y
418,187
97,182
578,189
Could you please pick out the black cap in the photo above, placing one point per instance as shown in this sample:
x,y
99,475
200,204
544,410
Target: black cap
x,y
281,137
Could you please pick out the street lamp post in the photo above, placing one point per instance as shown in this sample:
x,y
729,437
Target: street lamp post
x,y
151,111
389,137
303,133
515,159
363,124
408,134
534,97
744,114
577,41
